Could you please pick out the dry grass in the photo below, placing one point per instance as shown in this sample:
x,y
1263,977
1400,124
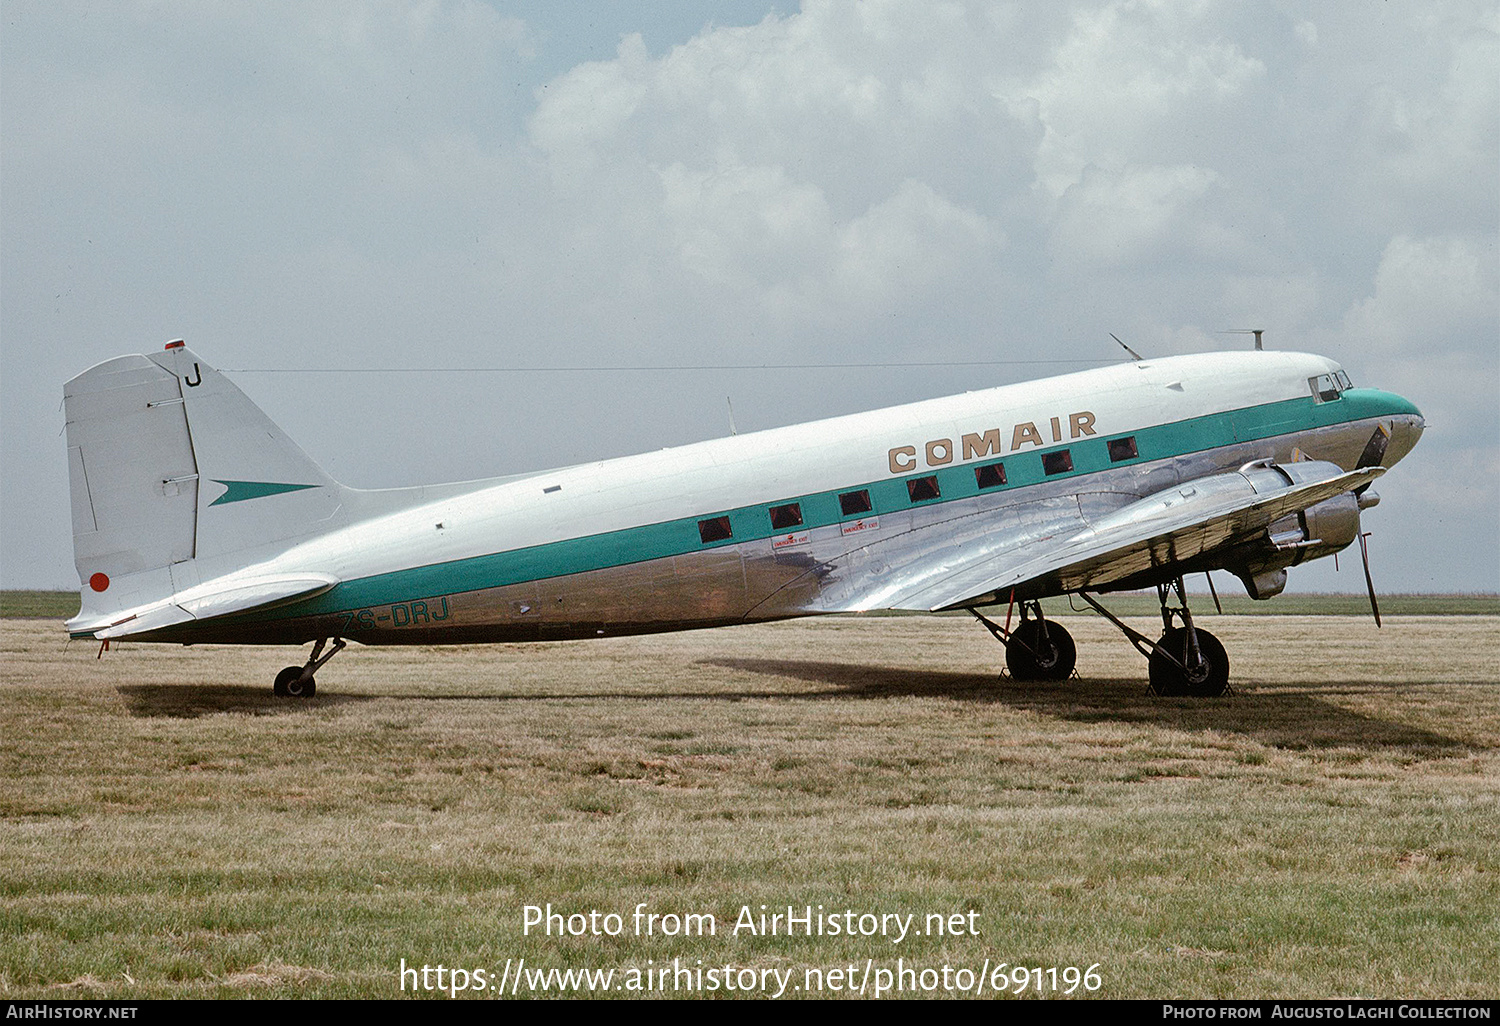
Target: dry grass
x,y
169,828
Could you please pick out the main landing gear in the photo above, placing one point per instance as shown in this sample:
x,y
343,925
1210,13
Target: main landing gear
x,y
1185,660
297,681
1038,649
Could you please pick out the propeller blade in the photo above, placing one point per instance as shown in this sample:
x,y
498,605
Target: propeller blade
x,y
1374,451
1364,552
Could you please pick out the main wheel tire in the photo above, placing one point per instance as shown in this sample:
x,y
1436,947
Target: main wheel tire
x,y
1030,656
1206,680
286,685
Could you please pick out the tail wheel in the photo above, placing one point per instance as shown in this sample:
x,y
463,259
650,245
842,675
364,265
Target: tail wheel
x,y
1040,650
287,685
1205,677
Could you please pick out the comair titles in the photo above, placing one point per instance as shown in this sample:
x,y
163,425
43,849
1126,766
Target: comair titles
x,y
940,452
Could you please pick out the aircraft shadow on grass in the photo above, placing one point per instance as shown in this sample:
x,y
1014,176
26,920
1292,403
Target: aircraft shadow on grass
x,y
1290,721
175,701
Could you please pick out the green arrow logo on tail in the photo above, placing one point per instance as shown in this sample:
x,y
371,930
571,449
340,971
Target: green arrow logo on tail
x,y
239,491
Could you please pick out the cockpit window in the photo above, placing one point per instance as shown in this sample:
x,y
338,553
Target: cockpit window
x,y
1328,387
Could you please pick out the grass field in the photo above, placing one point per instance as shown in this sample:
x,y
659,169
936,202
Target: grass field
x,y
167,828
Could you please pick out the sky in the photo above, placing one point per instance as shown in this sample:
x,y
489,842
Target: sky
x,y
540,194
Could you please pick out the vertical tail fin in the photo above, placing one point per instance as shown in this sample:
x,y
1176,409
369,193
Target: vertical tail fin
x,y
176,477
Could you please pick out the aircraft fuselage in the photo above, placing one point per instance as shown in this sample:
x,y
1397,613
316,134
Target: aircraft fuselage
x,y
798,520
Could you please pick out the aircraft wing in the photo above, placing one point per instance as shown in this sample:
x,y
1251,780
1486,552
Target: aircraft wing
x,y
1171,526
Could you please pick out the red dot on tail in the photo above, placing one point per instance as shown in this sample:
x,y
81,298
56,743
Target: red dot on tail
x,y
99,582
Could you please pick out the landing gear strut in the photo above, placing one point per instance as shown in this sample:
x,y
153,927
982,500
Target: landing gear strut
x,y
1186,660
1038,649
297,681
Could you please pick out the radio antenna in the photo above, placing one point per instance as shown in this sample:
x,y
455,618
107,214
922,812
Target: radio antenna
x,y
1257,332
1123,346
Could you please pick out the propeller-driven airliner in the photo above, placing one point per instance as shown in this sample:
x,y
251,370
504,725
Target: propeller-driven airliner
x,y
197,520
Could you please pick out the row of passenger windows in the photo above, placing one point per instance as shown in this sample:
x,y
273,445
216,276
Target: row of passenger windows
x,y
920,489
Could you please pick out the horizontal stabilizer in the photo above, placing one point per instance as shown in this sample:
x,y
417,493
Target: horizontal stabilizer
x,y
234,594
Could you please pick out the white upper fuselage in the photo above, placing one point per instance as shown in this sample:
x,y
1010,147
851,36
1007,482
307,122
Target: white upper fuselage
x,y
847,451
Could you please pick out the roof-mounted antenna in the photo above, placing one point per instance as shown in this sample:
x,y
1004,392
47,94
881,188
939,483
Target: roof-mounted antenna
x,y
730,403
1123,346
1257,332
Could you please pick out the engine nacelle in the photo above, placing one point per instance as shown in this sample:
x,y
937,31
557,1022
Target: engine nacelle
x,y
1321,530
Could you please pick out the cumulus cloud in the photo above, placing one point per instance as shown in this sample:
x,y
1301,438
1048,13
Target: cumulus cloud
x,y
816,167
1431,296
1132,217
1443,140
1434,304
1124,83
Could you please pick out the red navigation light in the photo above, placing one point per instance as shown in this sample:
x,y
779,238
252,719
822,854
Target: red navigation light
x,y
176,343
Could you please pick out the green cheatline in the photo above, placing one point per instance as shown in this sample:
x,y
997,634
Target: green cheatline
x,y
752,523
239,491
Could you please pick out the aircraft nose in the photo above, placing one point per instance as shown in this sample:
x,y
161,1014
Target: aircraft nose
x,y
1397,420
1406,430
1405,422
1399,424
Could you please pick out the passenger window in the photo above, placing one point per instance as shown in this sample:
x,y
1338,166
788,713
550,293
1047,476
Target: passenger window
x,y
715,529
783,517
1060,462
1122,449
855,503
991,475
921,489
